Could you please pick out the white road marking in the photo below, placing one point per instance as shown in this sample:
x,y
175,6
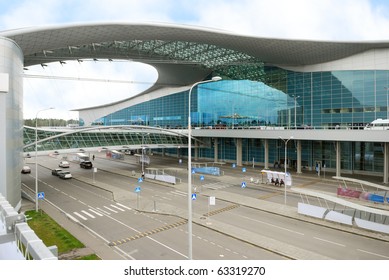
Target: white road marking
x,y
105,212
95,212
86,213
111,209
124,206
324,240
72,218
148,237
179,193
374,254
120,209
283,228
79,215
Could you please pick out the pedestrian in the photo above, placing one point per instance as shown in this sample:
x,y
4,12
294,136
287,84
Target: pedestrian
x,y
93,157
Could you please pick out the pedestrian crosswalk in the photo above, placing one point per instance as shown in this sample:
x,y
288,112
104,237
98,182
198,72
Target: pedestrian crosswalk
x,y
217,185
179,193
95,212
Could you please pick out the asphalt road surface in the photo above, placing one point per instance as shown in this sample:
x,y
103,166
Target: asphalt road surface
x,y
135,227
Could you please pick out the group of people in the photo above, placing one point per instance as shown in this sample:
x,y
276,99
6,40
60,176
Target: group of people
x,y
277,182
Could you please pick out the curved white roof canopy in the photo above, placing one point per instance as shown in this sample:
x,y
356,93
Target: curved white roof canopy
x,y
181,54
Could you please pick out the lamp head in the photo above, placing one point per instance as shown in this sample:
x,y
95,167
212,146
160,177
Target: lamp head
x,y
216,78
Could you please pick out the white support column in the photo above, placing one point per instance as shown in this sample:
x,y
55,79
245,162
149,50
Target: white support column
x,y
386,162
298,156
11,121
266,147
215,150
239,151
338,159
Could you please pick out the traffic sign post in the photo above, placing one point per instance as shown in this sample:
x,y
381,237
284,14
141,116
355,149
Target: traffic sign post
x,y
137,190
41,195
201,180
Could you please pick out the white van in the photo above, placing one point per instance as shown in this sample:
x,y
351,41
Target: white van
x,y
378,124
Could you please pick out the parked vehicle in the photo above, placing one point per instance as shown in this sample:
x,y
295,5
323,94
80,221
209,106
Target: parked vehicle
x,y
64,164
65,175
86,164
378,124
56,171
26,169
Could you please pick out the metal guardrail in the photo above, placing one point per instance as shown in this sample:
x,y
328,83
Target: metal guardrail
x,y
16,229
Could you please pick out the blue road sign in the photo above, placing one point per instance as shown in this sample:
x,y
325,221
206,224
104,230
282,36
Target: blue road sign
x,y
193,171
201,178
243,185
140,180
41,195
194,196
233,165
244,169
137,189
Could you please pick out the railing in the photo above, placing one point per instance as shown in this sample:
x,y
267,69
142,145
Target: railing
x,y
16,229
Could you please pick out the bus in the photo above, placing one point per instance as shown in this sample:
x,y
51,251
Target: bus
x,y
114,154
81,157
378,124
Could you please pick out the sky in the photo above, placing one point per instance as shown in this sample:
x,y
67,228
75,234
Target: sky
x,y
335,20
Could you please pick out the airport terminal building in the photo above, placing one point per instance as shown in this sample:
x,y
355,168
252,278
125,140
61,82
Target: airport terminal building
x,y
307,100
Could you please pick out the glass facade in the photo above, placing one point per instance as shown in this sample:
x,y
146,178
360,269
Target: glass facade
x,y
78,138
277,97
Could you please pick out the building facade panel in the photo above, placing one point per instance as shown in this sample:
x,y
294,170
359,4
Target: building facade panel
x,y
11,122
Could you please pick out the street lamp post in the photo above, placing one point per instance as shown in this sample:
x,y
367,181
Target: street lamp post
x,y
285,162
36,157
143,159
214,79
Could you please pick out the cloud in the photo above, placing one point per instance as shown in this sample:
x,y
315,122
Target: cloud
x,y
299,19
77,91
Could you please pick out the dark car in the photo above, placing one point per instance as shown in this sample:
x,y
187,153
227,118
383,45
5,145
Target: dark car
x,y
56,171
86,164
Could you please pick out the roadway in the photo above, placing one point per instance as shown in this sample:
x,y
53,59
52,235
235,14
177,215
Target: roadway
x,y
152,224
96,210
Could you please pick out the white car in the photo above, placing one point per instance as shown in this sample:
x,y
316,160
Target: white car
x,y
65,175
64,164
26,169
